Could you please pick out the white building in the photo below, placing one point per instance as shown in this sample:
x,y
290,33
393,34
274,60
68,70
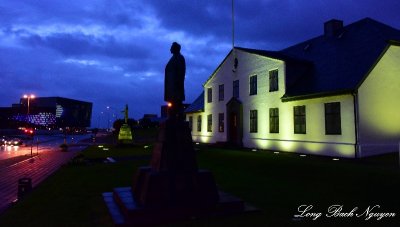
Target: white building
x,y
337,95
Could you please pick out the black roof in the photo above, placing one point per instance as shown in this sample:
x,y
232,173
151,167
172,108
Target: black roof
x,y
340,62
53,101
197,105
295,67
328,64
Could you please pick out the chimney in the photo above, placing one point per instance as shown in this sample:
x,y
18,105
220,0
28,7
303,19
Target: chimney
x,y
332,27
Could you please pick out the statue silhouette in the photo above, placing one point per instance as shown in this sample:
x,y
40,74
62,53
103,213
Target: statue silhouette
x,y
172,187
174,91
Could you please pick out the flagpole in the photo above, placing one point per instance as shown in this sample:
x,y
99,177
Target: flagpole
x,y
234,62
233,25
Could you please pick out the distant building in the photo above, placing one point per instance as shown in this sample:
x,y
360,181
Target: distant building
x,y
336,95
149,116
150,121
164,110
47,112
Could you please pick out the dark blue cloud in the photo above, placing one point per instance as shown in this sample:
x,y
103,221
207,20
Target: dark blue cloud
x,y
76,44
113,52
200,18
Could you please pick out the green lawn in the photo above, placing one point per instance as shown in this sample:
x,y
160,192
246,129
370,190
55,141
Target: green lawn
x,y
279,183
275,183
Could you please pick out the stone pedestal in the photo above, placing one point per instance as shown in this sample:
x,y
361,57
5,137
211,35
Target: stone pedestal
x,y
125,134
172,187
174,152
163,189
173,178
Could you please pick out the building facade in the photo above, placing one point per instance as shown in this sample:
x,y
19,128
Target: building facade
x,y
334,95
48,112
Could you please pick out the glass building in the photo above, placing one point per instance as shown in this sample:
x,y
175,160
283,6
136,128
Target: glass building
x,y
47,112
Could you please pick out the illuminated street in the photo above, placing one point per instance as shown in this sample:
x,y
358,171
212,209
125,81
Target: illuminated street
x,y
39,144
47,158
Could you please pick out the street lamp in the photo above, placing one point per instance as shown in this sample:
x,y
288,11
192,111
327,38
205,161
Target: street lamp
x,y
108,118
29,97
114,117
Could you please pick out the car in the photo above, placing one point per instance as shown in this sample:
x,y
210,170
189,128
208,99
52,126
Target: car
x,y
12,141
29,131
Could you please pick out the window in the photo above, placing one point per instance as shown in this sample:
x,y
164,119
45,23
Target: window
x,y
199,123
299,119
253,121
235,64
191,123
274,120
332,118
221,122
236,89
221,92
273,80
253,85
209,95
209,123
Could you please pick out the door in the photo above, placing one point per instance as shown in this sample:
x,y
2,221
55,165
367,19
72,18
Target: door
x,y
234,112
233,129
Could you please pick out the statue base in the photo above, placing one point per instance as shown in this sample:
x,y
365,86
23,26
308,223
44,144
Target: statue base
x,y
153,189
172,188
126,211
125,135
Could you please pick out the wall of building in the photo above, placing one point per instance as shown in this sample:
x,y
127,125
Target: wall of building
x,y
248,65
379,106
48,112
315,141
202,136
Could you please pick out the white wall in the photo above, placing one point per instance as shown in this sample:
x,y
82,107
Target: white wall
x,y
314,141
379,106
249,65
201,136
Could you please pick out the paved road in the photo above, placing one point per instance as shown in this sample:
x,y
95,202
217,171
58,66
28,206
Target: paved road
x,y
37,168
39,144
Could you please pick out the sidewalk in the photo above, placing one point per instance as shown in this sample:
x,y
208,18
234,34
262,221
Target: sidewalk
x,y
37,168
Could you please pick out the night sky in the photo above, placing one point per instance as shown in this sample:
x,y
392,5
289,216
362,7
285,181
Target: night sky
x,y
113,52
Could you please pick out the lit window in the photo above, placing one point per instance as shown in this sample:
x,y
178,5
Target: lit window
x,y
332,118
299,113
253,85
209,123
221,92
199,123
273,80
274,120
221,122
191,123
253,121
236,89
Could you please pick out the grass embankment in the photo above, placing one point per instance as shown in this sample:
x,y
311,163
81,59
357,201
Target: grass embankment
x,y
279,183
275,183
72,196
